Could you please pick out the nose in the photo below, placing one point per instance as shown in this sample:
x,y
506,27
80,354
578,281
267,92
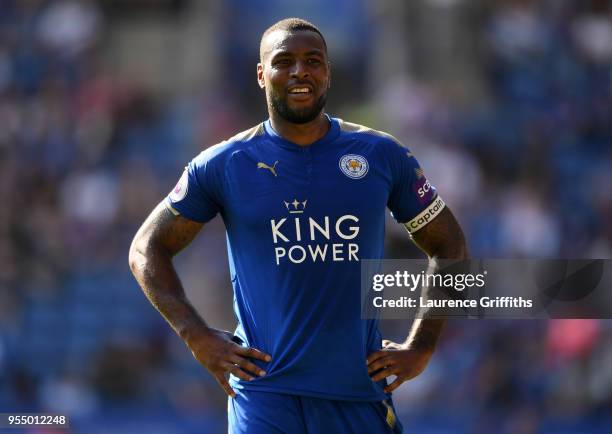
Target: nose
x,y
299,70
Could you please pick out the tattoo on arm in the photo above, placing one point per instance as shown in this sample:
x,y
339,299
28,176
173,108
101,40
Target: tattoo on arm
x,y
442,238
160,237
172,232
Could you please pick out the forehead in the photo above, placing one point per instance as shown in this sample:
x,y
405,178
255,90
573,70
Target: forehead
x,y
293,42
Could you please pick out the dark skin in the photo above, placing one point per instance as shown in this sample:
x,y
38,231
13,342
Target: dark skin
x,y
158,240
289,60
442,238
295,59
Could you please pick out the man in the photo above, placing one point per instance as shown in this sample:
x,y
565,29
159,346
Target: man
x,y
303,198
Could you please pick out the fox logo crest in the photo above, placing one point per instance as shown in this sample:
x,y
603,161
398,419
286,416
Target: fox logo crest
x,y
272,168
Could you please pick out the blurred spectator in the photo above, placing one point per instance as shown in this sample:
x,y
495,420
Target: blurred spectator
x,y
69,27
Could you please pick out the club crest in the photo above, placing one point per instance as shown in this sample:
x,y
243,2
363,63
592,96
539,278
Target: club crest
x,y
354,166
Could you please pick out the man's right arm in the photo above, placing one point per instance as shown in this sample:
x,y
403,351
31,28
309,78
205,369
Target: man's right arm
x,y
160,237
158,240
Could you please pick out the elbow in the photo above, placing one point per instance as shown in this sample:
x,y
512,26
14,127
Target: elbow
x,y
136,257
145,251
463,252
460,252
456,250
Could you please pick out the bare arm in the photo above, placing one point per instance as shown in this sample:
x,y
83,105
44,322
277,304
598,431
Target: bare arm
x,y
442,238
158,240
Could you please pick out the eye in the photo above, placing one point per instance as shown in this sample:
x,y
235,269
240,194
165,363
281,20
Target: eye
x,y
314,61
282,62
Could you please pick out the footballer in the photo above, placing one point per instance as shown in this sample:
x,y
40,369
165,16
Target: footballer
x,y
303,197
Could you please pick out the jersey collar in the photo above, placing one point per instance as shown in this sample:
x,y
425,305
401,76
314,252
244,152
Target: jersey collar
x,y
330,136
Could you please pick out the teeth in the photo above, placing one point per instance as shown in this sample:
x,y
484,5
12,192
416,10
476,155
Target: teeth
x,y
300,90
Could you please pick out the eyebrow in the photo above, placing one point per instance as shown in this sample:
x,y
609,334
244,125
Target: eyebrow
x,y
289,53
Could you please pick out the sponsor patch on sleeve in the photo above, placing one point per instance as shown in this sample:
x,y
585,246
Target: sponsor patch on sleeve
x,y
180,190
427,215
423,189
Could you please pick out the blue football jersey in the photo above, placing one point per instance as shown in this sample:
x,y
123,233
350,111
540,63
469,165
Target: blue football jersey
x,y
299,220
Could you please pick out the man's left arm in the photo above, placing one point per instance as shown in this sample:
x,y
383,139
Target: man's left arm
x,y
442,238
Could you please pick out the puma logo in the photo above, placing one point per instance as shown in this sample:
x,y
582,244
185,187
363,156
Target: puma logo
x,y
272,168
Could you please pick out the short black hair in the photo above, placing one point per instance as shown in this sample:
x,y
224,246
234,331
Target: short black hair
x,y
290,25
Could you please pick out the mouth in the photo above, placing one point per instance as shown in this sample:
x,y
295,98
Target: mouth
x,y
300,92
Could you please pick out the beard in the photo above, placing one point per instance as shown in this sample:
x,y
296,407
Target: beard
x,y
297,116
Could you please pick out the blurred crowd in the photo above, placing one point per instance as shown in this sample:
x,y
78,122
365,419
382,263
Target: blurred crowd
x,y
520,146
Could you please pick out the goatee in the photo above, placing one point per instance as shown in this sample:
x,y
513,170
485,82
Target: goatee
x,y
301,116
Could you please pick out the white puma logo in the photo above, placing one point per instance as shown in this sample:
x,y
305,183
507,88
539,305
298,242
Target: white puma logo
x,y
272,168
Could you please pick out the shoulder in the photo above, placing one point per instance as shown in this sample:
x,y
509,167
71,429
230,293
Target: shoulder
x,y
369,134
222,151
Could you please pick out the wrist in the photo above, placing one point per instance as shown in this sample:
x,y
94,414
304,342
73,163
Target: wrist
x,y
193,331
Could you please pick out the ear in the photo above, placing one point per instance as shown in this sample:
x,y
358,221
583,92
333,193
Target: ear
x,y
329,75
260,76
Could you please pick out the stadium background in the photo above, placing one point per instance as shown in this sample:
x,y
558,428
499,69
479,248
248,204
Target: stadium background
x,y
507,104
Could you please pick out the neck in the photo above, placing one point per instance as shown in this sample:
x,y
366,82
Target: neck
x,y
300,134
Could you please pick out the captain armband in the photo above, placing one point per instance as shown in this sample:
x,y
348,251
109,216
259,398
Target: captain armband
x,y
427,215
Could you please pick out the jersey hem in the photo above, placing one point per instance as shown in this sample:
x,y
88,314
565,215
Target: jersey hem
x,y
308,393
171,208
177,213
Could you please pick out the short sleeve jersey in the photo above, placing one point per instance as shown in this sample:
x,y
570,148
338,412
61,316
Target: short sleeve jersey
x,y
299,220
